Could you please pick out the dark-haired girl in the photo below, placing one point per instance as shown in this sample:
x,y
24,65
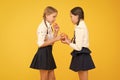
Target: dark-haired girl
x,y
81,59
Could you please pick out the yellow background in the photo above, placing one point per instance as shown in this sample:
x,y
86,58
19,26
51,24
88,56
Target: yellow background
x,y
19,20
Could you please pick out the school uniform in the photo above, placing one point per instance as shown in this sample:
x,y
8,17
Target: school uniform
x,y
81,58
43,58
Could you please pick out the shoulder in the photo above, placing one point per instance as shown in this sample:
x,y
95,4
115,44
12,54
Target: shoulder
x,y
79,28
82,24
41,26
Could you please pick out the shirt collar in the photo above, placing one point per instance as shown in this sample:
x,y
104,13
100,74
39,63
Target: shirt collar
x,y
48,24
80,24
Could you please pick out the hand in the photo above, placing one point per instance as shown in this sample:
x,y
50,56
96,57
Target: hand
x,y
63,36
58,38
65,39
56,27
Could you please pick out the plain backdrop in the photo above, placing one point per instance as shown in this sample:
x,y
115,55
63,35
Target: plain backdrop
x,y
19,20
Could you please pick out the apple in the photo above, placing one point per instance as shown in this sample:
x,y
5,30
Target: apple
x,y
63,35
55,25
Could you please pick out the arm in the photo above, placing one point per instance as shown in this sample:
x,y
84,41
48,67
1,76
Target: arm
x,y
42,42
55,34
50,42
56,29
79,39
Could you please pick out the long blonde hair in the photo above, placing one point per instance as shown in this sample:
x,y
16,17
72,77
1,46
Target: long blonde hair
x,y
48,10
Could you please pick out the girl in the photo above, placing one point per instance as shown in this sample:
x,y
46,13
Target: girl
x,y
43,59
81,59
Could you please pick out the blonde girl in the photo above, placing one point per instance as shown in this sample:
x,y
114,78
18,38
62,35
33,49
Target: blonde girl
x,y
43,59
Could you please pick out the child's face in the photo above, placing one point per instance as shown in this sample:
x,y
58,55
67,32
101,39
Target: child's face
x,y
51,18
74,18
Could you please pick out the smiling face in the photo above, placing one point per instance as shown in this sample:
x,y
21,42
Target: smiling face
x,y
74,18
51,17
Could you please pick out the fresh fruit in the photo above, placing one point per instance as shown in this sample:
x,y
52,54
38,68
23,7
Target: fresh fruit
x,y
63,35
55,25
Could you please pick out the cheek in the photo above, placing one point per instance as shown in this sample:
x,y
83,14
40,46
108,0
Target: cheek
x,y
76,19
53,19
50,18
73,20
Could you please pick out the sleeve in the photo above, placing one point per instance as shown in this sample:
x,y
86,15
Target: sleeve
x,y
79,33
41,33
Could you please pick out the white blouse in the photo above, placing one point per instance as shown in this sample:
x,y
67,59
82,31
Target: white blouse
x,y
81,37
44,32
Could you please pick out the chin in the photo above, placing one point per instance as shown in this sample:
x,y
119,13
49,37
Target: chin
x,y
73,22
52,21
